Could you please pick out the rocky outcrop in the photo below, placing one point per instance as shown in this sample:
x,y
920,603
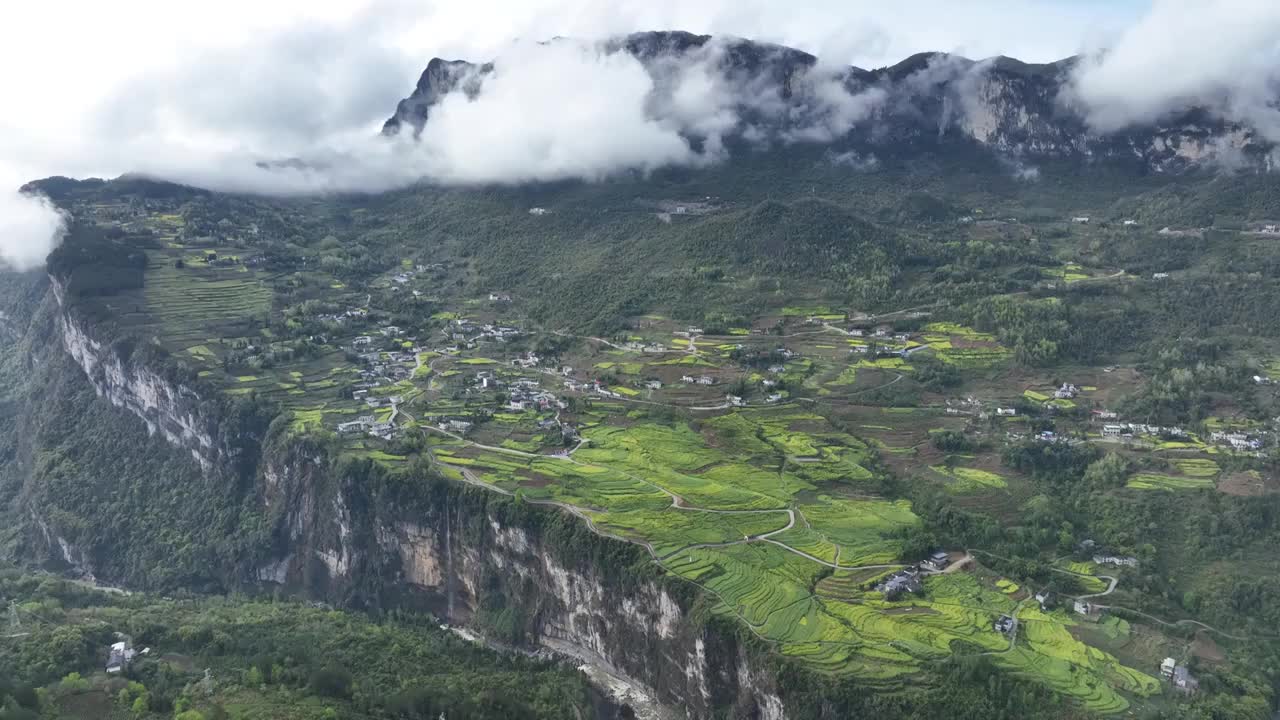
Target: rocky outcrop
x,y
439,79
466,555
176,411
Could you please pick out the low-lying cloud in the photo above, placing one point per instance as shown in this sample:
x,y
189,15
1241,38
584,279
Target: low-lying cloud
x,y
1223,55
559,110
550,112
316,93
30,227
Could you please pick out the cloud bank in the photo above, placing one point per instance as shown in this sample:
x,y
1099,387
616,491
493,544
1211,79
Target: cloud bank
x,y
30,227
559,110
1223,55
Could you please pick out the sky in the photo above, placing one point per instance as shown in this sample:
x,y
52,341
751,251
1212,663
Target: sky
x,y
62,61
198,91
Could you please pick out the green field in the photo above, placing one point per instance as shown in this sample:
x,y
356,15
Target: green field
x,y
962,479
1152,481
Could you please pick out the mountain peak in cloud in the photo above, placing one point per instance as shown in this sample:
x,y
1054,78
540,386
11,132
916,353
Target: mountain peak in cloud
x,y
700,94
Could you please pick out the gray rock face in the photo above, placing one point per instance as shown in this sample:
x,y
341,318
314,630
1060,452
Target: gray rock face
x,y
461,551
452,550
1014,109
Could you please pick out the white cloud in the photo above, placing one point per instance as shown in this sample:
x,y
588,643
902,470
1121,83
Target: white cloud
x,y
30,226
549,112
1222,54
200,93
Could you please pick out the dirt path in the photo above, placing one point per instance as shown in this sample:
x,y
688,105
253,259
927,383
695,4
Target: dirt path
x,y
677,503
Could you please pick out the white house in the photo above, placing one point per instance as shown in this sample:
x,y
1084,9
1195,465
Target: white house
x,y
1006,412
119,657
1080,220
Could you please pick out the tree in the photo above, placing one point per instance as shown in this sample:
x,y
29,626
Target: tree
x,y
1109,472
331,682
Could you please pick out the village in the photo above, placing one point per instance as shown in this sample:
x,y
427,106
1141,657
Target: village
x,y
781,459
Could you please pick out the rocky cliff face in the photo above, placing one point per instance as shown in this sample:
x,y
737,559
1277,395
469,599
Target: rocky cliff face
x,y
464,554
1019,111
175,411
347,534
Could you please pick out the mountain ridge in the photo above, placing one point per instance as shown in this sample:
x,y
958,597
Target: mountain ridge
x,y
1016,109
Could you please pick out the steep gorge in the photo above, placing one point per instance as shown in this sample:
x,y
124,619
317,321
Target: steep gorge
x,y
272,512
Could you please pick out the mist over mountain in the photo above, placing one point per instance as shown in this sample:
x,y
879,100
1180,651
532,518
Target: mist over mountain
x,y
565,109
1181,89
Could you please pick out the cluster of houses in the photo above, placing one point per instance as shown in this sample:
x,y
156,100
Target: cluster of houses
x,y
1066,392
368,424
1241,442
465,331
646,347
1122,430
699,380
527,360
383,368
902,581
907,580
525,394
452,424
1238,441
1004,624
882,331
1179,675
345,315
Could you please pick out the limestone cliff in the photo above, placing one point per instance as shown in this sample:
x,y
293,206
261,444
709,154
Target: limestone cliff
x,y
461,552
351,534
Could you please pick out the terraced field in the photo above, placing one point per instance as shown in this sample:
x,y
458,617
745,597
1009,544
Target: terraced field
x,y
962,479
1153,481
765,510
188,305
